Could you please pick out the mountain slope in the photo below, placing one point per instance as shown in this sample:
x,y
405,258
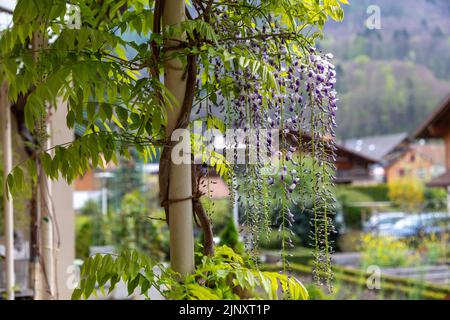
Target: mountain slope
x,y
390,79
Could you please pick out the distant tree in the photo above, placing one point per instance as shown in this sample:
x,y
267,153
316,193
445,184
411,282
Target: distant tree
x,y
407,193
230,237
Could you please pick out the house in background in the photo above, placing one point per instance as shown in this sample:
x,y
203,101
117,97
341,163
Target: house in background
x,y
86,188
418,160
381,148
437,126
353,167
397,156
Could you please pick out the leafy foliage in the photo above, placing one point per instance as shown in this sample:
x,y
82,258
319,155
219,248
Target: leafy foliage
x,y
386,252
435,199
223,276
83,236
135,227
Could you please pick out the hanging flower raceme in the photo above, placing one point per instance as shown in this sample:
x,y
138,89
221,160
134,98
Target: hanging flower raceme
x,y
301,105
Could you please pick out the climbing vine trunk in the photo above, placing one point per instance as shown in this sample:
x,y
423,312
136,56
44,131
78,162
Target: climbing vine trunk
x,y
180,182
7,201
44,268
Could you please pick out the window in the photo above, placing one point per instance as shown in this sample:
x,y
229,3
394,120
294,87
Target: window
x,y
401,172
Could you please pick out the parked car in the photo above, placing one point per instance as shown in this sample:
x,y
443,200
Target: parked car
x,y
419,225
381,221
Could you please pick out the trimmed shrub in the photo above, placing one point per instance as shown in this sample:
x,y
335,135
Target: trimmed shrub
x,y
230,237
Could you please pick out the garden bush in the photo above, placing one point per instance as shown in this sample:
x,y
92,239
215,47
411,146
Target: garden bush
x,y
230,237
407,193
83,236
386,252
435,250
435,199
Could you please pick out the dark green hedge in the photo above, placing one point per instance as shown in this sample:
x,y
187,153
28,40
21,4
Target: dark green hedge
x,y
377,192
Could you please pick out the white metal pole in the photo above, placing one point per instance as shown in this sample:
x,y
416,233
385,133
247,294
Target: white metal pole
x,y
7,200
180,185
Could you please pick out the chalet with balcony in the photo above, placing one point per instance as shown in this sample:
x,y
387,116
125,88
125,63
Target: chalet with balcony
x,y
352,167
437,126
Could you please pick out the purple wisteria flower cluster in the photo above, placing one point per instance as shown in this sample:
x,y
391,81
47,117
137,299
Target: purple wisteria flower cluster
x,y
269,83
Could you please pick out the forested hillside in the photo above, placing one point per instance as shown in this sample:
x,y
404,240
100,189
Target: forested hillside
x,y
390,79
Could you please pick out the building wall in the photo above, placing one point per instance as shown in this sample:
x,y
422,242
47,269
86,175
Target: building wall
x,y
351,169
87,182
412,164
62,195
447,149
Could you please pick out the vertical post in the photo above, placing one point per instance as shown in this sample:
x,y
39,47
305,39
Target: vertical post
x,y
62,194
45,276
7,200
180,184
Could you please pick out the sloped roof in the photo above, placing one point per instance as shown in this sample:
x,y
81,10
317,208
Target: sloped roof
x,y
439,118
376,147
432,152
343,149
441,181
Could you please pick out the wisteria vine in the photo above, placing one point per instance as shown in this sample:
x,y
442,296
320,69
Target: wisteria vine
x,y
303,109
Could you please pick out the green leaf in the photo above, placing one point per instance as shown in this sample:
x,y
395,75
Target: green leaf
x,y
90,285
76,294
19,178
133,284
122,113
10,183
70,119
